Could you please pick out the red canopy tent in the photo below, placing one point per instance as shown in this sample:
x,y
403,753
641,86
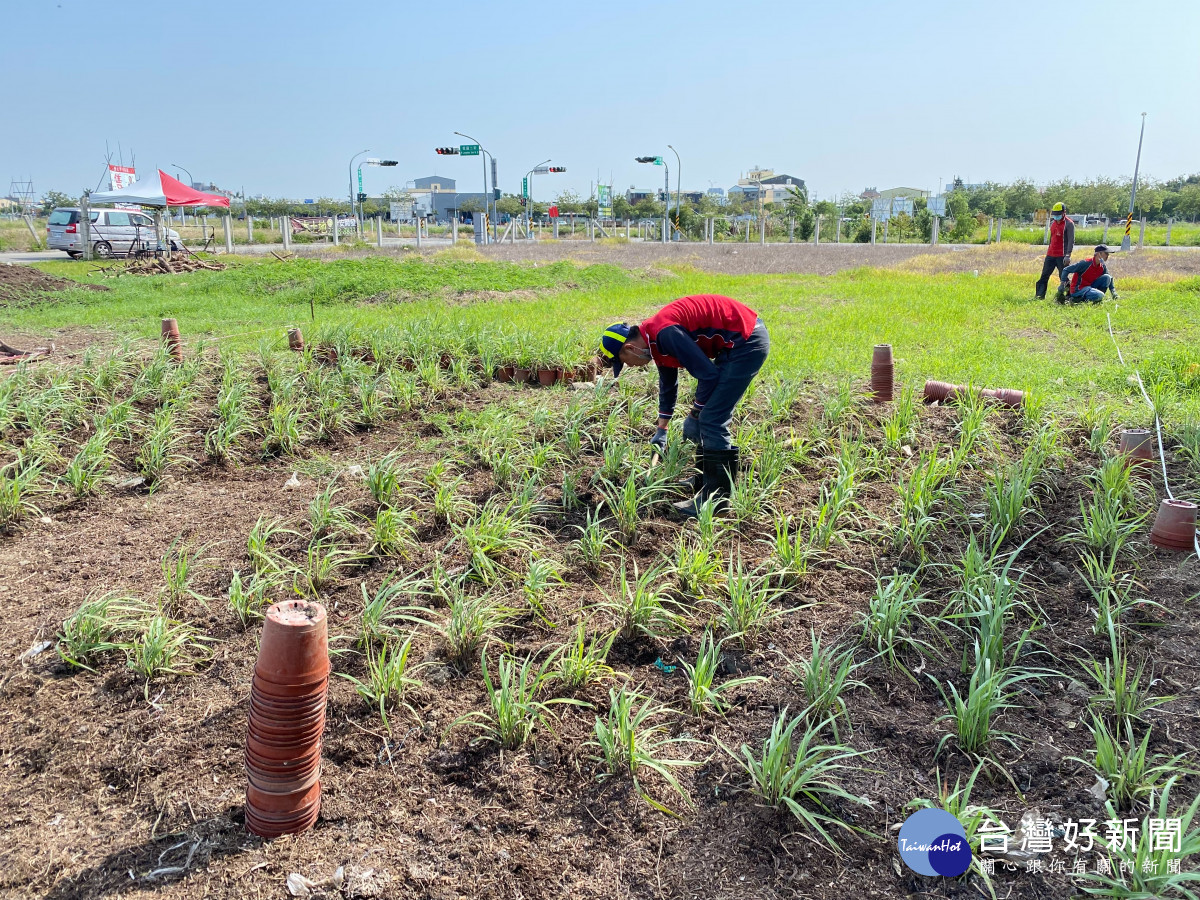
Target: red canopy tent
x,y
159,190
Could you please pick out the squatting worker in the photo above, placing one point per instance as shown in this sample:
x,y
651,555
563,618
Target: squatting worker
x,y
1089,279
723,344
1062,242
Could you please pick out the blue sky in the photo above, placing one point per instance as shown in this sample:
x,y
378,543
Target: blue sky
x,y
276,97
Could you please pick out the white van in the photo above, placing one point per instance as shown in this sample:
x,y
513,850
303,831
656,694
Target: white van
x,y
115,232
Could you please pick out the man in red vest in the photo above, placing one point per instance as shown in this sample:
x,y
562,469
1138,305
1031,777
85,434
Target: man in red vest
x,y
1058,254
1089,279
723,344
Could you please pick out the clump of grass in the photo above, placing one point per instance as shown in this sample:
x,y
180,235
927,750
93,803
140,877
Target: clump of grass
x,y
893,614
796,771
823,678
258,544
387,677
697,567
515,710
1131,772
540,575
628,743
97,628
248,598
16,494
594,543
383,479
392,532
1121,688
165,646
88,468
749,608
582,662
641,607
973,816
973,715
470,624
704,694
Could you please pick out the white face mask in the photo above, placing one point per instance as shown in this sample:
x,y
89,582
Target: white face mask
x,y
642,354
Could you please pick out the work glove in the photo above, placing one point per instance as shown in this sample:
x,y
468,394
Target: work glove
x,y
1115,297
691,429
659,441
1067,260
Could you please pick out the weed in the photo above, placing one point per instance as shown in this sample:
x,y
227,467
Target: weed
x,y
16,493
165,647
697,567
383,479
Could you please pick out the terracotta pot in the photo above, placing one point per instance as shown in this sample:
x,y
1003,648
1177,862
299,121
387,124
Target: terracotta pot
x,y
280,820
271,688
271,780
1009,397
283,769
504,374
294,648
299,738
1137,446
278,718
281,786
939,391
882,355
547,377
520,374
170,336
300,704
268,828
295,339
291,803
1175,526
270,751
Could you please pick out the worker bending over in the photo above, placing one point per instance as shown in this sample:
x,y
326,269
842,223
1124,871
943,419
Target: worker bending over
x,y
723,344
1089,279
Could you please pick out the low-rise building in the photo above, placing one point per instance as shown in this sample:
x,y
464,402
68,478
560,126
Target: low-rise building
x,y
774,188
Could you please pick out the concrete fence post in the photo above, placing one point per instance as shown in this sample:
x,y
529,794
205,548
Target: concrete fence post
x,y
935,233
838,238
85,227
792,230
1046,232
227,225
817,232
762,229
1104,240
874,225
285,231
419,233
454,230
1168,242
999,228
379,231
336,237
1142,233
991,228
886,223
249,229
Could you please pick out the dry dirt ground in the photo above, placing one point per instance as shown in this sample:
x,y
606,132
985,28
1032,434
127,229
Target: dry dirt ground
x,y
110,790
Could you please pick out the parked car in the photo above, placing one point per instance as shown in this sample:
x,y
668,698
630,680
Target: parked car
x,y
115,232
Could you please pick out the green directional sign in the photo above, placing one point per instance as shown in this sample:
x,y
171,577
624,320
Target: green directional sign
x,y
468,149
525,187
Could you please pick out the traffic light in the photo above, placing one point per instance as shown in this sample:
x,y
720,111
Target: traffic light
x,y
496,194
558,168
389,162
447,151
362,198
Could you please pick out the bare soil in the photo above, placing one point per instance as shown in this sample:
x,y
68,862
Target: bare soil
x,y
104,794
24,285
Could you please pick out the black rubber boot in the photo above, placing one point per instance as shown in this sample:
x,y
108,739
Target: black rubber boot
x,y
720,468
695,482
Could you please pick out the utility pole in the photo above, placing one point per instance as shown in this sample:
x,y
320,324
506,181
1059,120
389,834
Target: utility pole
x,y
1125,241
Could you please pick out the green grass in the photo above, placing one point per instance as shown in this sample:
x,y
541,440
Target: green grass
x,y
951,326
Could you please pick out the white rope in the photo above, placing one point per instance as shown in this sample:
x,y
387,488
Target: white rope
x,y
1162,455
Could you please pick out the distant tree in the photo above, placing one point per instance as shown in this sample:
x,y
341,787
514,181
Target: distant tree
x,y
470,205
52,199
622,208
511,205
958,209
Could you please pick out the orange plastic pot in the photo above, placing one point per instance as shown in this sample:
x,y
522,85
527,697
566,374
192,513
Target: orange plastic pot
x,y
547,377
294,648
279,753
1009,397
302,704
939,391
170,336
882,355
504,374
1137,446
295,339
520,374
284,769
1174,526
276,719
269,779
291,803
883,373
276,689
273,828
287,738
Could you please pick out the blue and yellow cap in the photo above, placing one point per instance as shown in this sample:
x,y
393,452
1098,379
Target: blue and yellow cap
x,y
611,342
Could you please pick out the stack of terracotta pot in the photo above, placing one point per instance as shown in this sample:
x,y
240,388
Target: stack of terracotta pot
x,y
1137,448
1175,526
883,373
287,718
944,391
170,336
